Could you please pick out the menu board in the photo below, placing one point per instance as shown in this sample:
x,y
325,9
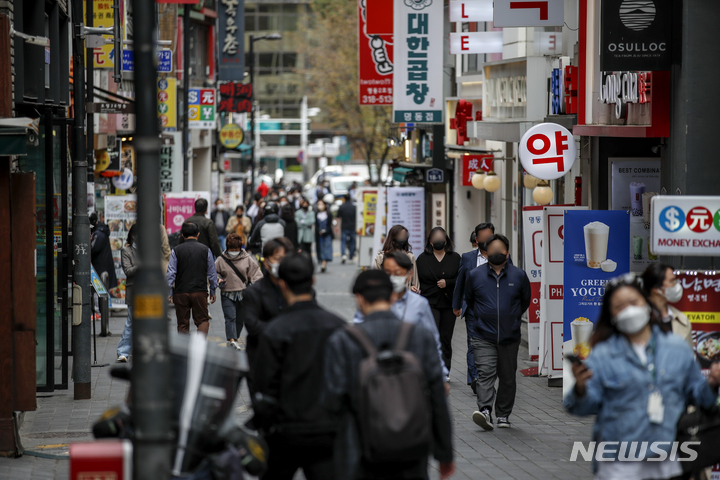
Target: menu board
x,y
120,215
406,207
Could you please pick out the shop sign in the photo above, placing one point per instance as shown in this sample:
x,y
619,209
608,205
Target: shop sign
x,y
476,42
685,225
547,151
506,91
166,105
201,108
570,82
418,41
375,55
533,234
471,10
636,35
471,163
435,175
235,97
231,135
543,13
623,88
231,50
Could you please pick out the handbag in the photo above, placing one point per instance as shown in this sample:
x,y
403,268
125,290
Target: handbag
x,y
237,272
700,425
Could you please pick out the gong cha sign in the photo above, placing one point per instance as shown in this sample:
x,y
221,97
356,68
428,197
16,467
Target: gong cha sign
x,y
547,151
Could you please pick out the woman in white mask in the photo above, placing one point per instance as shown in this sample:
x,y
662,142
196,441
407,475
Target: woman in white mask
x,y
637,380
663,288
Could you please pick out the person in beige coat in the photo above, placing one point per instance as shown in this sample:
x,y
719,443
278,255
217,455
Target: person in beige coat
x,y
233,281
164,249
397,239
662,287
238,219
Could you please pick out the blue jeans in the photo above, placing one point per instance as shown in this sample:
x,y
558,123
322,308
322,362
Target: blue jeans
x,y
125,345
233,320
222,239
347,237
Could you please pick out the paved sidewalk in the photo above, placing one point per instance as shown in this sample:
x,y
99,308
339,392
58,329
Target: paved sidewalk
x,y
537,447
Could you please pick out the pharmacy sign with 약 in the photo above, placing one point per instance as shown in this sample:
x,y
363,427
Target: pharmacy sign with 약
x,y
547,151
685,225
418,61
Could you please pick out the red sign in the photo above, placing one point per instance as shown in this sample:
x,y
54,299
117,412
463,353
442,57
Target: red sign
x,y
235,97
375,55
556,292
105,460
473,162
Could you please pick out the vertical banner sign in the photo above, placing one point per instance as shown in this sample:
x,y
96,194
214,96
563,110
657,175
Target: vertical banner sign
x,y
551,290
701,303
375,57
596,250
418,56
381,225
406,207
471,163
231,35
166,102
366,227
235,98
533,236
201,108
103,16
120,215
634,183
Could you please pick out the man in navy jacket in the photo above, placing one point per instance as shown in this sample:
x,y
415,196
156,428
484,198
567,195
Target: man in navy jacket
x,y
497,294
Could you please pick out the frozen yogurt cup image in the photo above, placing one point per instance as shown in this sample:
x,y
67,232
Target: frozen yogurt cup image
x,y
581,330
596,243
636,203
608,265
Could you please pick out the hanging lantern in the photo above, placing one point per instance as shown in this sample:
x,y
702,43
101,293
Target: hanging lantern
x,y
543,194
492,182
478,179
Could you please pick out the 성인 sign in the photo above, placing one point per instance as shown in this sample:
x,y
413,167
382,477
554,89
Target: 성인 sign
x,y
685,225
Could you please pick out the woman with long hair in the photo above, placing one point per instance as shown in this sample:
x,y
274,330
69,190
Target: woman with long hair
x,y
662,288
323,234
638,381
287,213
437,268
397,240
129,262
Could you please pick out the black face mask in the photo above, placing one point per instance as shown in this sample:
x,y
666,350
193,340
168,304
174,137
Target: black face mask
x,y
400,244
497,258
440,245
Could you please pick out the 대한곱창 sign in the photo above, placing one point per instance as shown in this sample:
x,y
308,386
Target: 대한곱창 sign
x,y
685,225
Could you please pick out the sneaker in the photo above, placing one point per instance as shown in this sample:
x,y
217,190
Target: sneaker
x,y
502,422
483,419
232,344
209,315
122,359
344,259
448,378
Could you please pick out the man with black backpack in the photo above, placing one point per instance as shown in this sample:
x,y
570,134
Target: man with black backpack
x,y
384,377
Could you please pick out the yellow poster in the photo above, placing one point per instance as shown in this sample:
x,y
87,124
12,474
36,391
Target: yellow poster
x,y
103,16
167,102
369,210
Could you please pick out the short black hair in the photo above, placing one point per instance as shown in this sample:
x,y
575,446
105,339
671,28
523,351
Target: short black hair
x,y
190,229
201,205
654,276
502,238
93,218
240,207
484,226
400,258
271,247
296,270
373,286
257,196
473,237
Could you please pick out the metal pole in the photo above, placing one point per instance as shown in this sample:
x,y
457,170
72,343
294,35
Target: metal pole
x,y
304,137
252,116
81,225
186,96
151,367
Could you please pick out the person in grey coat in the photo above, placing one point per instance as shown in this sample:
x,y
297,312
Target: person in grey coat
x,y
129,260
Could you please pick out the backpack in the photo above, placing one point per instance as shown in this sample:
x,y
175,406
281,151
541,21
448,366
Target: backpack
x,y
174,239
394,416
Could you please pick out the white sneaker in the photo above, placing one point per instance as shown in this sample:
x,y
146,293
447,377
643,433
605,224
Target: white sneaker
x,y
448,379
122,359
503,422
344,258
483,419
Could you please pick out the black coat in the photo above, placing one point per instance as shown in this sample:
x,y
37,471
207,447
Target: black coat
x,y
101,253
262,302
291,231
347,213
208,234
430,271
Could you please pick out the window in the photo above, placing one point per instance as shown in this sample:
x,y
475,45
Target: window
x,y
289,60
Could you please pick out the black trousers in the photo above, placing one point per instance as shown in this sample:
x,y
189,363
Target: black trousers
x,y
445,321
287,456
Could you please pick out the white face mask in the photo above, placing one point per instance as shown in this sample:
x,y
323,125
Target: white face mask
x,y
221,206
632,319
674,293
398,283
233,254
274,269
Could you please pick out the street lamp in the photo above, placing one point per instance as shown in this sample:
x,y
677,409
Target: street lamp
x,y
253,39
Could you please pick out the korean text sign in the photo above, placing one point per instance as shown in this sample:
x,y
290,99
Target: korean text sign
x,y
231,35
471,163
375,57
533,234
418,59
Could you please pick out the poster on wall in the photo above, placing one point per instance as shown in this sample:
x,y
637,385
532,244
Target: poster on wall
x,y
365,225
181,206
596,250
406,207
701,303
533,235
120,215
551,290
381,226
634,183
375,54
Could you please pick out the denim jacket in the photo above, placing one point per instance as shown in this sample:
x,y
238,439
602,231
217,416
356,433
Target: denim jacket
x,y
620,386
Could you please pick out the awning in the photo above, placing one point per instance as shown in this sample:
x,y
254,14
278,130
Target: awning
x,y
16,134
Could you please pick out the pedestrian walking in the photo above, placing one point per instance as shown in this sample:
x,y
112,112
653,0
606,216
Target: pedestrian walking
x,y
407,305
270,227
236,271
254,208
220,217
240,224
287,214
305,218
101,252
638,381
473,240
497,294
469,261
323,234
165,249
386,442
129,261
263,301
662,287
438,267
208,236
397,240
289,379
347,213
190,270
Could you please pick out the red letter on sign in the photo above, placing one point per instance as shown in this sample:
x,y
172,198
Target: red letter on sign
x,y
558,160
543,6
463,11
464,42
531,144
560,143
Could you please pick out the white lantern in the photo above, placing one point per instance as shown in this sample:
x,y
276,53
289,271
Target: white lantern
x,y
478,180
543,194
530,181
492,182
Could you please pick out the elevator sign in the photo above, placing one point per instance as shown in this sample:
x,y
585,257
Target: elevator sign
x,y
547,151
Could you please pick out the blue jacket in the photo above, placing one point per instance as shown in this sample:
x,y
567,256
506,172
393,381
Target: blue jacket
x,y
619,388
497,302
468,263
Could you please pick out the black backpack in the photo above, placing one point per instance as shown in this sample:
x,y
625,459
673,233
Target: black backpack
x,y
174,239
394,416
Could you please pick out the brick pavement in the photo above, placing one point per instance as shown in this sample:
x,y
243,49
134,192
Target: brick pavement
x,y
537,447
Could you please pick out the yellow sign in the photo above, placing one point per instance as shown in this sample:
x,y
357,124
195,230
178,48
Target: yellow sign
x,y
102,160
369,212
103,16
231,135
167,102
148,306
